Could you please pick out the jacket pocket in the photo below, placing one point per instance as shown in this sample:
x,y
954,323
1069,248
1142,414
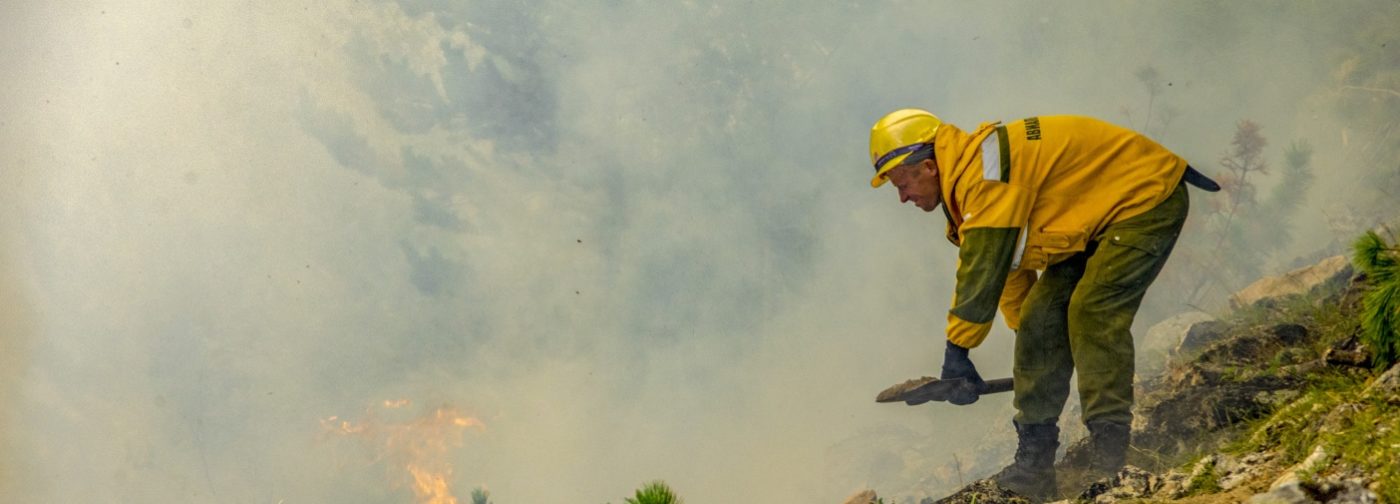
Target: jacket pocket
x,y
1049,246
1131,261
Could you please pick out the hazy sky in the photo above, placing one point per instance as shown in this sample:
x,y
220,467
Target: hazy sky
x,y
634,239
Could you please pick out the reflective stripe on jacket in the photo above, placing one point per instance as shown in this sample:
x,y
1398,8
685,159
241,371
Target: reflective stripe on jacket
x,y
1030,193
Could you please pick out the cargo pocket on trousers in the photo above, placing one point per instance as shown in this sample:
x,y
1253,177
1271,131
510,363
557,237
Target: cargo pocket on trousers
x,y
1132,260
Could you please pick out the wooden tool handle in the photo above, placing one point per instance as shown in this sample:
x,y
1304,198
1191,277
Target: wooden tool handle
x,y
997,385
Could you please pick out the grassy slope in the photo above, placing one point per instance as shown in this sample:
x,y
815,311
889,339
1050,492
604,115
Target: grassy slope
x,y
1361,433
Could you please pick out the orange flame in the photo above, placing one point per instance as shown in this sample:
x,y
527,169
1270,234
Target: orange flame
x,y
419,446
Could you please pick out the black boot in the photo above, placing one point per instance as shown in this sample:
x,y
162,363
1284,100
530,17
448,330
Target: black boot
x,y
1108,447
1033,473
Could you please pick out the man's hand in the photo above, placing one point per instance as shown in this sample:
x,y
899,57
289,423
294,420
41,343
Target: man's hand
x,y
957,365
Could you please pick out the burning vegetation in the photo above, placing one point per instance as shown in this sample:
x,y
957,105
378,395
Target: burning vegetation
x,y
415,449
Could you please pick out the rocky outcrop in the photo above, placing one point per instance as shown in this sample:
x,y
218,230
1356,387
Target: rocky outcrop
x,y
984,492
1217,472
1233,380
1330,272
1225,375
1199,336
1129,483
863,497
1259,474
1163,339
1386,386
1290,489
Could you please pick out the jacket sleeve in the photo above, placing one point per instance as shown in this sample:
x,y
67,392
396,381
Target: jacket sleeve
x,y
996,212
1018,284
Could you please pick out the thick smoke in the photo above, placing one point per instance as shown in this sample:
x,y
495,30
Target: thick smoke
x,y
633,239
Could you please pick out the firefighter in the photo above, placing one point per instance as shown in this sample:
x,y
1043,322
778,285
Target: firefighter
x,y
1062,222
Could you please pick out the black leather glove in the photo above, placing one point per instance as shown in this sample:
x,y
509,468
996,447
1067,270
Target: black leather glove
x,y
957,365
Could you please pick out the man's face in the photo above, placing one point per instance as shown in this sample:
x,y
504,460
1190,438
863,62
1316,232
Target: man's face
x,y
918,183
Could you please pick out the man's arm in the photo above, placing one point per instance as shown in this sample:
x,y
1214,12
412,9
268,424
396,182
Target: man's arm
x,y
984,263
985,281
996,212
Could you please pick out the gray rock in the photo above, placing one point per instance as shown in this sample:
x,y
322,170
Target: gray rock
x,y
1207,463
1173,485
1257,458
1234,473
1289,334
1337,356
1351,491
863,497
1290,493
1199,336
1162,339
1235,479
984,492
1331,271
1386,385
1167,334
1194,407
1130,483
1315,461
1332,491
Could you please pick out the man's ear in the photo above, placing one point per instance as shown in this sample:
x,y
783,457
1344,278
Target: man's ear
x,y
928,165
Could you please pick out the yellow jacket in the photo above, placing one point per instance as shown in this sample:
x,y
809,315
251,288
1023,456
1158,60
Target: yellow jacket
x,y
1031,193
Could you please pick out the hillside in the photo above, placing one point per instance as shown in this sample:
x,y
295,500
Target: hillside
x,y
1275,402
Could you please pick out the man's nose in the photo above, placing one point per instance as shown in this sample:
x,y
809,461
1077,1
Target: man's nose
x,y
903,196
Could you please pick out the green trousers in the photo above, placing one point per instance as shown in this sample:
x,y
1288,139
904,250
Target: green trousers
x,y
1079,314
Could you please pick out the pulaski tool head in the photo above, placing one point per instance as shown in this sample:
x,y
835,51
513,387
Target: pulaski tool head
x,y
921,390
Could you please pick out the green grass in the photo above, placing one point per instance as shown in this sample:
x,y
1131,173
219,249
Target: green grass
x,y
1292,430
1357,432
1206,482
1288,309
1368,442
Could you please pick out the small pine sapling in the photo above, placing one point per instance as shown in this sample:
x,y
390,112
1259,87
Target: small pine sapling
x,y
481,496
1380,315
656,492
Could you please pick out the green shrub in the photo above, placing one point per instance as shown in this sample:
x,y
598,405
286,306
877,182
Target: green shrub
x,y
655,492
1380,315
481,496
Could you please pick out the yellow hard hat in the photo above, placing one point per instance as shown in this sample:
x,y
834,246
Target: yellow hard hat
x,y
896,136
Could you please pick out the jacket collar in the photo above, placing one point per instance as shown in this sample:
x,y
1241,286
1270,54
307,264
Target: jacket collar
x,y
956,151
